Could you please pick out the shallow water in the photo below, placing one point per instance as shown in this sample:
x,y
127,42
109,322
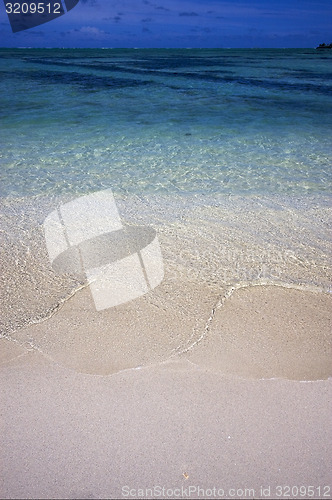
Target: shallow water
x,y
227,153
165,121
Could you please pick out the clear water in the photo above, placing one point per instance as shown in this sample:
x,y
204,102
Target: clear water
x,y
166,121
226,152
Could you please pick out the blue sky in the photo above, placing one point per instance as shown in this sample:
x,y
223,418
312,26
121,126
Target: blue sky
x,y
180,23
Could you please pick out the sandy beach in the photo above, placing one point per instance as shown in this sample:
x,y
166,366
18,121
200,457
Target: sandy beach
x,y
165,264
247,407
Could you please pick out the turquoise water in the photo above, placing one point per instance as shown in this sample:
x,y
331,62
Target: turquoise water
x,y
226,153
165,121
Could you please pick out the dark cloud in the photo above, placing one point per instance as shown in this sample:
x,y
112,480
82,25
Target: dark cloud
x,y
93,3
116,19
155,6
189,14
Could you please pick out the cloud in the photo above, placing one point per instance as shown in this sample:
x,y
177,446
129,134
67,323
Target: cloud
x,y
91,31
116,18
189,14
120,23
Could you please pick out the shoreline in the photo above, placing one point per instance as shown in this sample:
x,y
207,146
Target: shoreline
x,y
233,242
179,387
260,332
217,373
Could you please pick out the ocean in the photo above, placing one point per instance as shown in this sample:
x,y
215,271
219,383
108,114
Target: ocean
x,y
226,153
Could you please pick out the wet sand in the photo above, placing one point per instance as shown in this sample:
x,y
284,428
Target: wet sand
x,y
270,331
80,421
255,332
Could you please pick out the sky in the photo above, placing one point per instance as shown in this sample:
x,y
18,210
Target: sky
x,y
180,23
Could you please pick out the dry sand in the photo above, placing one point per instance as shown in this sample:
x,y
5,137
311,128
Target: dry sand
x,y
69,435
78,420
